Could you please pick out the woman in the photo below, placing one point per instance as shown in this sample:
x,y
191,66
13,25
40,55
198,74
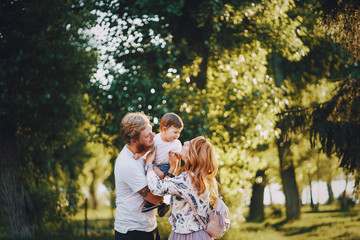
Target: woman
x,y
196,181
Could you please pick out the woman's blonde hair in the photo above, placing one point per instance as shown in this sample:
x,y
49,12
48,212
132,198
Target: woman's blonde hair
x,y
203,164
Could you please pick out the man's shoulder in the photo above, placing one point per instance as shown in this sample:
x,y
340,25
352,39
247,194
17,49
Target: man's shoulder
x,y
124,153
125,157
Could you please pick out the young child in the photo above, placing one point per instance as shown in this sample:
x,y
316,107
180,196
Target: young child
x,y
167,140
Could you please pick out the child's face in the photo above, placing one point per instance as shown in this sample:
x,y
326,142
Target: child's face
x,y
171,133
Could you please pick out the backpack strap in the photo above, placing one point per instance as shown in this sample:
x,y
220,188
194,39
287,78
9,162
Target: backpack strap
x,y
214,213
196,215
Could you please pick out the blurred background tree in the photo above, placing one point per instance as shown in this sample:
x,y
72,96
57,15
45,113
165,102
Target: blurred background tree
x,y
226,68
45,68
205,60
95,171
335,122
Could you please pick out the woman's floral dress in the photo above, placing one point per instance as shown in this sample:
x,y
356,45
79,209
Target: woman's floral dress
x,y
181,217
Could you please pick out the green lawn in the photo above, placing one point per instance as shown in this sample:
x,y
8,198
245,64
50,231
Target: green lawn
x,y
328,223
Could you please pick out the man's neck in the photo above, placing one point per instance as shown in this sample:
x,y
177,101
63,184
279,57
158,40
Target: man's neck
x,y
132,148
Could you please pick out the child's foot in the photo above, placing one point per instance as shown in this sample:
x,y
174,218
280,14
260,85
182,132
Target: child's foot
x,y
148,207
163,209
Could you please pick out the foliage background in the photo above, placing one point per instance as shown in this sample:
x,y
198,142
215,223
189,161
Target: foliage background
x,y
249,75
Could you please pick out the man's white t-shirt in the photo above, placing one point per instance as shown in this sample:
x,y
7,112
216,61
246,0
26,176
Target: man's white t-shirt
x,y
129,179
163,149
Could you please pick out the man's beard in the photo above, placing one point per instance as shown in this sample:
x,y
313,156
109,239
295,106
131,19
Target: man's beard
x,y
144,148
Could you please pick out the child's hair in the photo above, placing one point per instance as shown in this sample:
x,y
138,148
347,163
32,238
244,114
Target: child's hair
x,y
171,119
132,125
203,165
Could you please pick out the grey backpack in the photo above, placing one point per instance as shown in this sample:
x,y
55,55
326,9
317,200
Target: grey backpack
x,y
217,220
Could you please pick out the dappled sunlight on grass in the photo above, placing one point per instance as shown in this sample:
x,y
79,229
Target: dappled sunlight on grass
x,y
100,222
101,213
326,224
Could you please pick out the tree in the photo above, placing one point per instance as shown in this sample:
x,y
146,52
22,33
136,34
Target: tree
x,y
160,41
95,171
312,165
45,66
324,61
256,212
335,123
210,61
340,20
206,60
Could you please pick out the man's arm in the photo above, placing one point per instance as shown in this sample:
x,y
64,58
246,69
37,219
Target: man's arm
x,y
146,194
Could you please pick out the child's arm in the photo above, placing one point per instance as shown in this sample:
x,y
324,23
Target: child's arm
x,y
140,154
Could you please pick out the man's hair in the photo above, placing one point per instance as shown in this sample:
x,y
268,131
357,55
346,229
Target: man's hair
x,y
132,125
171,119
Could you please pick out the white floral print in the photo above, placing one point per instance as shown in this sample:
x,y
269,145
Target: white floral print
x,y
181,217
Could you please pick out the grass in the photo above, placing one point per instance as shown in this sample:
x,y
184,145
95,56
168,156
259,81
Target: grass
x,y
327,224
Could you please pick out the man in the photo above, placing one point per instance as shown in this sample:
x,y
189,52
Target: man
x,y
131,183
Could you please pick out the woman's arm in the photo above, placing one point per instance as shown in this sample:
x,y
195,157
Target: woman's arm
x,y
166,186
174,162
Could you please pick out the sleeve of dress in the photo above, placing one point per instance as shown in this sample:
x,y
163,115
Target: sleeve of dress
x,y
166,186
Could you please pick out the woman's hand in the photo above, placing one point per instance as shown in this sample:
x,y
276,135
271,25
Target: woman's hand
x,y
174,162
150,157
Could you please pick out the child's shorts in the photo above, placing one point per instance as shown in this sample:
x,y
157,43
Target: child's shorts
x,y
164,167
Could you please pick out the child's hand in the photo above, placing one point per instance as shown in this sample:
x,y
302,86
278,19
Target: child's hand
x,y
150,157
139,155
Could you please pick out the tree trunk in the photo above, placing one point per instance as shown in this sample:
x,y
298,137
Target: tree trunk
x,y
311,195
287,172
201,78
292,200
330,192
257,200
278,73
270,195
92,191
14,196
